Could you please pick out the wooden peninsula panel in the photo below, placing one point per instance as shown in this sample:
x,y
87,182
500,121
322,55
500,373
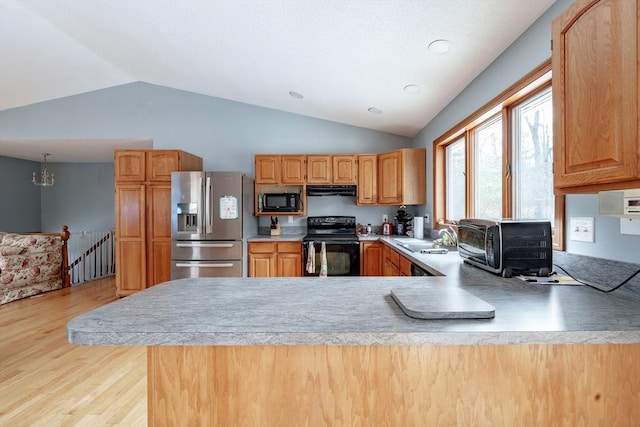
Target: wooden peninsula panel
x,y
526,385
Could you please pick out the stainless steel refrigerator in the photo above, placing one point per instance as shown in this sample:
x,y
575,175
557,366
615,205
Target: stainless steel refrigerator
x,y
210,219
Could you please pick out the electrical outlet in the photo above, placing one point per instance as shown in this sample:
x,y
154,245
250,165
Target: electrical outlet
x,y
290,219
427,218
630,226
385,218
581,229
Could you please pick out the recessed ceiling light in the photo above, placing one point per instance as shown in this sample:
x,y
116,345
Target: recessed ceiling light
x,y
374,110
296,95
439,46
412,89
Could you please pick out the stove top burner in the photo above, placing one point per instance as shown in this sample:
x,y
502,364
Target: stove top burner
x,y
331,228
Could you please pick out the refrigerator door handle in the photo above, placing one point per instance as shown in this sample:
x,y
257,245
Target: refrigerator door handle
x,y
204,245
201,265
208,199
201,212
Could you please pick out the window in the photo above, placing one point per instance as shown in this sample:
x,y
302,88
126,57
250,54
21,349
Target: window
x,y
487,176
456,193
498,163
533,158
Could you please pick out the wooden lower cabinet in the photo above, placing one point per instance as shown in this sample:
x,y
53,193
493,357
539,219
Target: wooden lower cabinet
x,y
394,263
131,244
405,266
399,385
390,262
275,259
158,233
371,258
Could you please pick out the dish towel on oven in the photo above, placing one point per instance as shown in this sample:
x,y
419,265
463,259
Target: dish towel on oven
x,y
323,260
311,259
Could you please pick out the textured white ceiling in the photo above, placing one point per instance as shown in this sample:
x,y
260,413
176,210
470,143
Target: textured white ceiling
x,y
343,56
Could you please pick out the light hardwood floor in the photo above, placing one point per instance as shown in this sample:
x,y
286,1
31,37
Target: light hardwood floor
x,y
45,381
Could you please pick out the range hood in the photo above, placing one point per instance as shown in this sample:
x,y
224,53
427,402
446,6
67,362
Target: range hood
x,y
331,190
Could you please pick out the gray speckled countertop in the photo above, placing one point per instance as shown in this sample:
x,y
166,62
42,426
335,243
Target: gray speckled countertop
x,y
355,311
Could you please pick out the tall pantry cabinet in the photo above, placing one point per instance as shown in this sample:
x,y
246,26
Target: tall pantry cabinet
x,y
143,215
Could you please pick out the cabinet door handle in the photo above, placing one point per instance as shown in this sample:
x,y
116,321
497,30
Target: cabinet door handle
x,y
204,245
200,265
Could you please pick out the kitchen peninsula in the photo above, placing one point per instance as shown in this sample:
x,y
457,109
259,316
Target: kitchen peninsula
x,y
339,351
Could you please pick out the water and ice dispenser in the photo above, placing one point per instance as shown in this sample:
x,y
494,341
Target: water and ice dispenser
x,y
187,217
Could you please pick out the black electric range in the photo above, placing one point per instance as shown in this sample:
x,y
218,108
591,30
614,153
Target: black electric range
x,y
341,246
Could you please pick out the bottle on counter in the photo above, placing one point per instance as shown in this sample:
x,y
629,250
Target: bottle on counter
x,y
369,229
386,228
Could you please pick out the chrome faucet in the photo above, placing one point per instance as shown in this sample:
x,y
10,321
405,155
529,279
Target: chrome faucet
x,y
452,236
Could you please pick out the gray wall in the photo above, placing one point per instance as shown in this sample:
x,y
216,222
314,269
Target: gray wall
x,y
225,134
526,53
82,197
609,243
19,198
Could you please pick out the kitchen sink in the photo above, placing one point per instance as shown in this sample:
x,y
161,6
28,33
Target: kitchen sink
x,y
417,245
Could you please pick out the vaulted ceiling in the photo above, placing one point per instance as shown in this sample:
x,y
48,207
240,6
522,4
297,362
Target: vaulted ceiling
x,y
365,63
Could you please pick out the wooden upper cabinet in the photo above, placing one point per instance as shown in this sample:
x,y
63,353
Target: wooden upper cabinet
x,y
319,169
160,164
152,165
280,169
345,169
267,169
293,169
595,96
332,169
129,165
402,177
367,179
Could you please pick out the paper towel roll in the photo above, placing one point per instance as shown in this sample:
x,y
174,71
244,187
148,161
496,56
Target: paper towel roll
x,y
418,227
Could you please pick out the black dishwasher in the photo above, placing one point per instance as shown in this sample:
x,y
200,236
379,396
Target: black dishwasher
x,y
416,270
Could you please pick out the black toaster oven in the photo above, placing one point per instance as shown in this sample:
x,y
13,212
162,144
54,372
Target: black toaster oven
x,y
507,247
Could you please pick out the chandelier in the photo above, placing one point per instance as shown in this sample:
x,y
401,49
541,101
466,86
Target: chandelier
x,y
46,179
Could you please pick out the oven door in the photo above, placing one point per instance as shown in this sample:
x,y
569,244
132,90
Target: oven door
x,y
343,258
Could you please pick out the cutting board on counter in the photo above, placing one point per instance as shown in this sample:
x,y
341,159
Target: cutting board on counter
x,y
441,302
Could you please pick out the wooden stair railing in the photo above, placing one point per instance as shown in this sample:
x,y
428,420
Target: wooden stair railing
x,y
95,249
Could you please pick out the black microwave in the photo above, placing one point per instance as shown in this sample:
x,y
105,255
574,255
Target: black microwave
x,y
507,247
280,202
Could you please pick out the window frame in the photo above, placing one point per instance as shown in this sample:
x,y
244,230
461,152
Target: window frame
x,y
533,83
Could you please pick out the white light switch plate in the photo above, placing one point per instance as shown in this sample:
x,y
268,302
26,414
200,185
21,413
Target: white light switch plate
x,y
581,229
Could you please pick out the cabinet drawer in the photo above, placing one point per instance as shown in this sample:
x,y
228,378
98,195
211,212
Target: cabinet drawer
x,y
289,247
206,250
262,248
394,257
196,269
